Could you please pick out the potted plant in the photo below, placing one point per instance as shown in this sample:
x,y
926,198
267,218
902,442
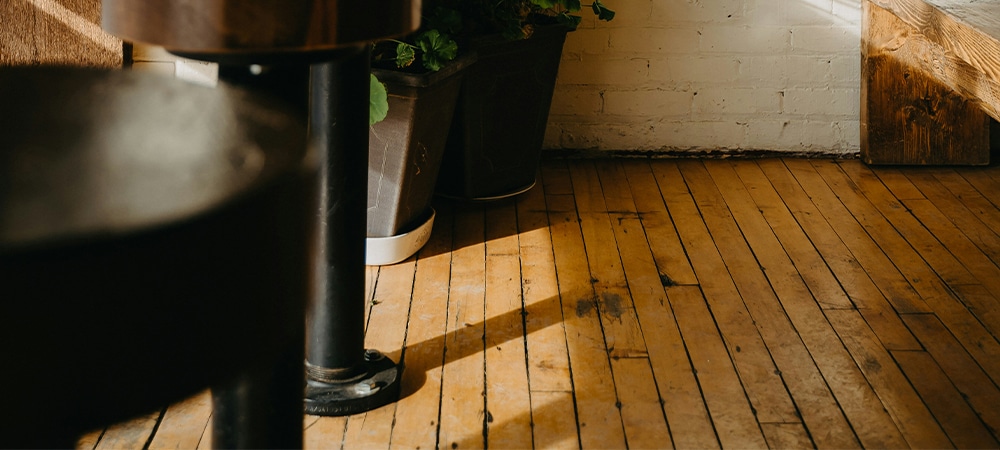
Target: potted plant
x,y
495,141
415,84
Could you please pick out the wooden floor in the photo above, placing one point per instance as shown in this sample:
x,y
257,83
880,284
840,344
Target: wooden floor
x,y
689,304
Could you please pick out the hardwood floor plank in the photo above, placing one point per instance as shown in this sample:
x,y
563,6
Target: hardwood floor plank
x,y
613,301
325,433
914,422
642,413
961,231
553,416
683,405
974,384
779,300
709,244
418,411
598,418
806,259
463,405
89,440
864,292
732,414
555,178
778,303
926,261
734,420
661,235
552,407
858,401
897,182
975,202
959,421
548,360
983,179
962,217
909,222
385,331
786,435
372,429
982,303
184,423
508,402
853,232
134,433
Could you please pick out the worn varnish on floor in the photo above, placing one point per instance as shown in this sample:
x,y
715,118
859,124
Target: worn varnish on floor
x,y
781,303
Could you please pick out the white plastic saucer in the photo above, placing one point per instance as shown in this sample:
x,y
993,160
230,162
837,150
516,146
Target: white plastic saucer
x,y
393,249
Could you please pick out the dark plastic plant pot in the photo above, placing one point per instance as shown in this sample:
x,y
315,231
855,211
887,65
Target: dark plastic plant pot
x,y
405,149
495,141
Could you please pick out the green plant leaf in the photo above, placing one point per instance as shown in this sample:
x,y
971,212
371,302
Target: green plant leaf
x,y
573,5
602,11
405,55
437,49
378,101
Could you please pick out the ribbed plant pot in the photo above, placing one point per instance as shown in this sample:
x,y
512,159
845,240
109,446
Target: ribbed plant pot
x,y
495,142
404,158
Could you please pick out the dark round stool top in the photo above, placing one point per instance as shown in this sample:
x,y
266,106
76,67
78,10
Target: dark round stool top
x,y
153,242
257,29
90,152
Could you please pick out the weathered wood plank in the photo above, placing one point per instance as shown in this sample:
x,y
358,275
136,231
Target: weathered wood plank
x,y
731,411
914,421
418,411
853,231
708,340
508,402
863,286
737,302
781,305
969,30
325,433
622,334
858,401
134,433
598,418
668,252
915,265
184,423
548,361
463,403
64,32
919,101
787,435
553,417
959,421
685,409
808,262
967,377
385,331
642,413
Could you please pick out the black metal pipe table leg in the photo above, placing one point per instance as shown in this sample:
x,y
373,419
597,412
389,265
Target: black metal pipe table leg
x,y
342,377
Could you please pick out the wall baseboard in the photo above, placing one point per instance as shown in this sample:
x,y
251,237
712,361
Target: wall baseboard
x,y
554,154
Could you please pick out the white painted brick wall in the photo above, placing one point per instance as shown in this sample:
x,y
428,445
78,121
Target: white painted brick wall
x,y
703,75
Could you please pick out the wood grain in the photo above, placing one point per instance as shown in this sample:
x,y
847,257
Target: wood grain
x,y
929,85
507,340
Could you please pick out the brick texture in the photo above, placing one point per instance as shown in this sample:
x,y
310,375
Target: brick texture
x,y
708,75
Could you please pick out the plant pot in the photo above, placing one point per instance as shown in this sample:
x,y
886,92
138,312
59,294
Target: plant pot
x,y
404,154
495,141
